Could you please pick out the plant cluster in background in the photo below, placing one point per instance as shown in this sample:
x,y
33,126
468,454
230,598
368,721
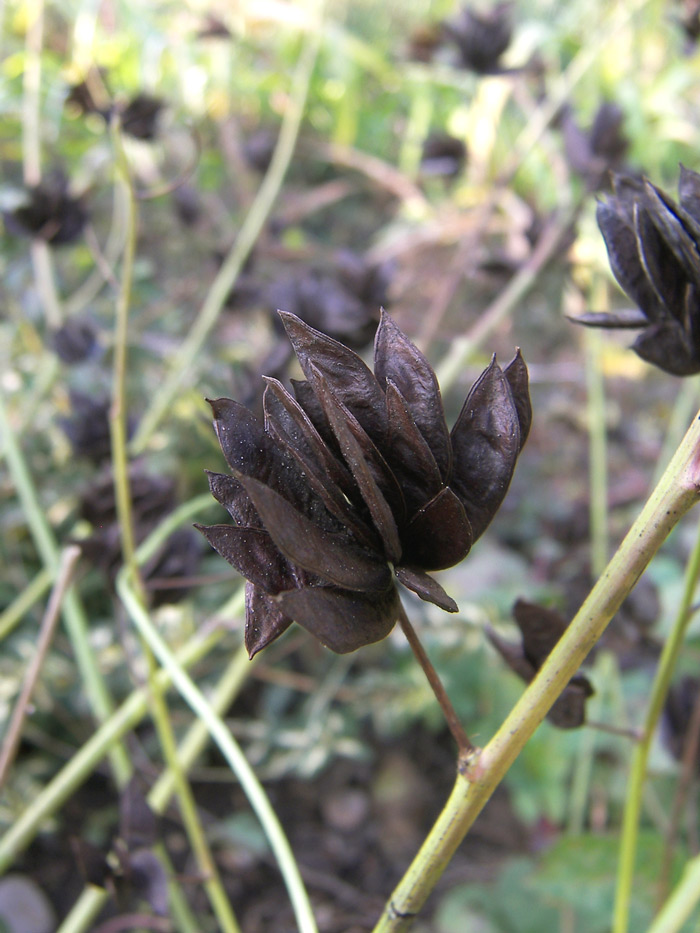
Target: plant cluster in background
x,y
171,177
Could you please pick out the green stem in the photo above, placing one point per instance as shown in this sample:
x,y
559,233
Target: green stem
x,y
597,452
31,594
635,786
247,236
231,751
13,731
188,810
681,903
52,797
72,609
44,277
197,736
677,491
160,794
118,414
31,119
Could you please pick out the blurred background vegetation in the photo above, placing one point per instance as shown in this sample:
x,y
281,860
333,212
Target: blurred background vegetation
x,y
464,202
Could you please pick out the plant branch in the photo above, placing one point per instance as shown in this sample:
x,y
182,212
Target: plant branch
x,y
46,632
77,770
464,746
72,608
230,750
678,490
31,594
635,786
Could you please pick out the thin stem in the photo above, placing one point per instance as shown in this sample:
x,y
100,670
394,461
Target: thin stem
x,y
105,262
464,746
31,594
188,810
677,491
31,158
31,120
682,901
46,632
686,779
597,451
160,794
42,263
72,609
585,752
117,414
635,786
126,717
52,797
231,751
249,232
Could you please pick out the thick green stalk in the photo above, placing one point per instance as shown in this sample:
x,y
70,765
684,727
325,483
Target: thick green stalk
x,y
248,234
677,491
635,786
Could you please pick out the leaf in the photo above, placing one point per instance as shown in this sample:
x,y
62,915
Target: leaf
x,y
253,553
689,192
264,620
518,379
426,587
485,444
678,229
540,627
667,346
439,535
374,479
289,425
398,360
334,557
625,263
348,376
340,620
231,493
625,318
247,448
663,271
512,654
412,461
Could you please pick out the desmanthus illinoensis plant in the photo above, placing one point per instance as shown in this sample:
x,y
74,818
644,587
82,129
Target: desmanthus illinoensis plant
x,y
334,497
654,249
355,483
